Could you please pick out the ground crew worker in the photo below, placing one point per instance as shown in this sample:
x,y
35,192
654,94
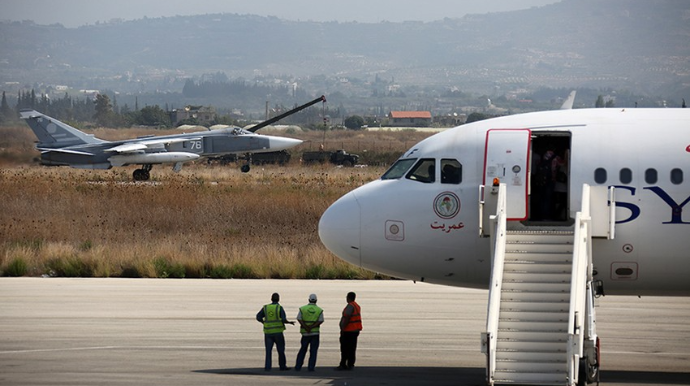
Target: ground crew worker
x,y
350,326
272,316
310,317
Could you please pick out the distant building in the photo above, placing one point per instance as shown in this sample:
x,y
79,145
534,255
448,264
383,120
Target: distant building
x,y
410,118
198,114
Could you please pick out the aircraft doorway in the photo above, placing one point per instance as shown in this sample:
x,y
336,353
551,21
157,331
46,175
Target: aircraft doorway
x,y
550,179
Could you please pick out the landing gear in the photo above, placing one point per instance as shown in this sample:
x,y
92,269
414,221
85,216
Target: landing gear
x,y
142,174
245,168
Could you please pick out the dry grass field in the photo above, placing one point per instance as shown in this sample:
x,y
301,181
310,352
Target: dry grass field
x,y
206,221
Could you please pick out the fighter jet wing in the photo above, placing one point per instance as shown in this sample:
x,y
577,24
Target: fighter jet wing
x,y
127,147
67,151
131,147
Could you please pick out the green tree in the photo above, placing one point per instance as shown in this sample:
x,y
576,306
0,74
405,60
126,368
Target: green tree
x,y
354,122
153,116
600,102
104,110
6,113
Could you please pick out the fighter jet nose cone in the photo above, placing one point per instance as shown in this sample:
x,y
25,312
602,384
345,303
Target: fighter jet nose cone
x,y
339,229
282,143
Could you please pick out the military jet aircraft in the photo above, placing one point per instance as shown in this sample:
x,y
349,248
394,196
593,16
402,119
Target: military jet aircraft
x,y
62,145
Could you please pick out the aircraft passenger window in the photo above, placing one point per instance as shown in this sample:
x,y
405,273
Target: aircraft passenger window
x,y
650,176
600,175
423,171
676,176
625,176
451,171
398,169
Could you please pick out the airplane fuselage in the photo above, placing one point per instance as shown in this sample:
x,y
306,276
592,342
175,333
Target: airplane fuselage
x,y
410,227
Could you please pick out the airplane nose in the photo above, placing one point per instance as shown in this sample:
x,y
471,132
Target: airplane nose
x,y
339,229
282,143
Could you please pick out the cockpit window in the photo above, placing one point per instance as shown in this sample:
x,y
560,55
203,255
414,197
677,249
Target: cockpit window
x,y
398,169
423,171
451,171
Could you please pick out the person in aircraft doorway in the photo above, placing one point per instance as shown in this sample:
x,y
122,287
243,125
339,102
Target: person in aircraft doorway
x,y
560,187
350,326
272,316
310,317
545,180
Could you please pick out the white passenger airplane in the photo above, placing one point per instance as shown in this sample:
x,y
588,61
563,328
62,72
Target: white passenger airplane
x,y
621,212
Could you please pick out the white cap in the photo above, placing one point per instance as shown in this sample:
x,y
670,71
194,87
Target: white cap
x,y
312,298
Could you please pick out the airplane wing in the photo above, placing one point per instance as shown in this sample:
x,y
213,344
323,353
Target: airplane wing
x,y
132,147
66,151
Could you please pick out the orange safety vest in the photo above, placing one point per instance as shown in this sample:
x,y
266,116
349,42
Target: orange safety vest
x,y
355,323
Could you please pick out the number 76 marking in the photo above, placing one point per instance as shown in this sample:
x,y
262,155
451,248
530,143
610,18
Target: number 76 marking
x,y
196,145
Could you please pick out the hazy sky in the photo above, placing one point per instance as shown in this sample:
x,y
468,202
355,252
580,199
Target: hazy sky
x,y
74,13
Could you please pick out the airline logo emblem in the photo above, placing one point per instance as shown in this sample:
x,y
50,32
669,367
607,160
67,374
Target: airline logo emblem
x,y
447,205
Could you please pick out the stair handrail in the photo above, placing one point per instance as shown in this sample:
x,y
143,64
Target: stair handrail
x,y
498,238
582,263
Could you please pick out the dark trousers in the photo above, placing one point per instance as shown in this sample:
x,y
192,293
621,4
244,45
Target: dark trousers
x,y
279,340
312,342
348,348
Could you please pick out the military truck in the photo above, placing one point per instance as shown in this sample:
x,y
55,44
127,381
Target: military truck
x,y
275,157
338,157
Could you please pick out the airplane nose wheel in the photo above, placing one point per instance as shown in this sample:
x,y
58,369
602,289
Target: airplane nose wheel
x,y
142,174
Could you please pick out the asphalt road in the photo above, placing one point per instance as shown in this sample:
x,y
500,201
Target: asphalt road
x,y
203,332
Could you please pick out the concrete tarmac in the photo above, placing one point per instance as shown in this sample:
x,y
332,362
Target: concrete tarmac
x,y
56,331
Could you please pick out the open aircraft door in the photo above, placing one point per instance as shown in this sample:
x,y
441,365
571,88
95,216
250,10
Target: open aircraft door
x,y
506,157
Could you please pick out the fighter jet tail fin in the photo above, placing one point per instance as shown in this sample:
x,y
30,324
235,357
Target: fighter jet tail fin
x,y
52,133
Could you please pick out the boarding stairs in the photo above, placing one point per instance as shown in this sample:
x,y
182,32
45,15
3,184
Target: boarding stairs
x,y
540,319
532,332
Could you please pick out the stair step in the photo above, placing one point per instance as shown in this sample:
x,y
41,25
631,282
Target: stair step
x,y
539,247
543,238
516,256
530,366
533,316
530,286
537,267
535,306
556,356
533,336
532,325
526,346
536,277
531,378
553,297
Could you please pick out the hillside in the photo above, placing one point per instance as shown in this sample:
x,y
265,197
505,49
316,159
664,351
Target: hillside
x,y
639,46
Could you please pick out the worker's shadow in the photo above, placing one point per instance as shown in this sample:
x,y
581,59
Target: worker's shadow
x,y
372,375
439,375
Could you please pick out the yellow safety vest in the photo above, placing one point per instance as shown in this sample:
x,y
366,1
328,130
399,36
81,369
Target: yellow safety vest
x,y
273,324
310,314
